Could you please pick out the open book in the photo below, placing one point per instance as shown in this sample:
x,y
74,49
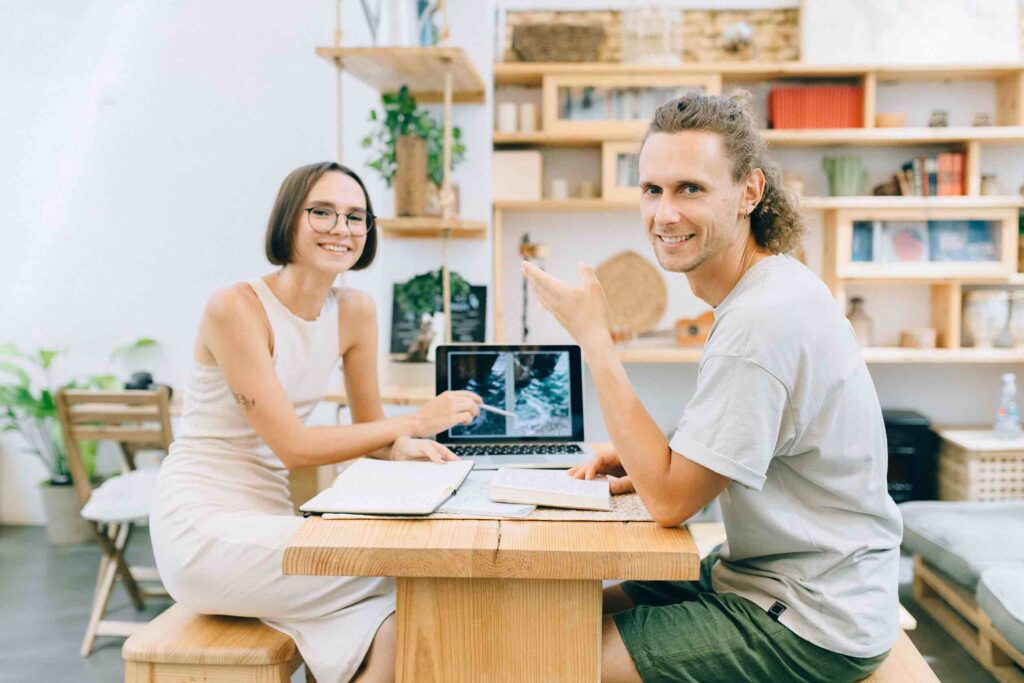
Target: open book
x,y
553,488
381,487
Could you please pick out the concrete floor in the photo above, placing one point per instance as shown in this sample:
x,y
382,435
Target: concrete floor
x,y
45,595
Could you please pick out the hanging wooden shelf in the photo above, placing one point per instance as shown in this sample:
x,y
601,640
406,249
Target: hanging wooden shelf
x,y
421,68
427,226
565,205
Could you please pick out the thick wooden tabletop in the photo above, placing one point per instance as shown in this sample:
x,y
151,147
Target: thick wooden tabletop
x,y
472,548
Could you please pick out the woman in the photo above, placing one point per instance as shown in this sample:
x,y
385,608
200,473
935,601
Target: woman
x,y
222,514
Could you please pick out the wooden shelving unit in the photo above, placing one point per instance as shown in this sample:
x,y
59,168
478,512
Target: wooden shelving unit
x,y
946,279
792,138
532,73
430,227
874,355
810,203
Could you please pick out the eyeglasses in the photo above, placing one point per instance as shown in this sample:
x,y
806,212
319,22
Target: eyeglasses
x,y
323,219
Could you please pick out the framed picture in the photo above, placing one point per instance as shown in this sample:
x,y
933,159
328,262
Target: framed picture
x,y
613,103
620,171
964,240
901,242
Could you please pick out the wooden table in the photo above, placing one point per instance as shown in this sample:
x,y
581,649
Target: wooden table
x,y
495,599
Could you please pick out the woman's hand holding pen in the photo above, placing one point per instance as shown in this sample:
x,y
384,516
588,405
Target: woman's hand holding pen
x,y
444,412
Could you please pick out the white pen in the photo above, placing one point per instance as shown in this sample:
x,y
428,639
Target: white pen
x,y
499,411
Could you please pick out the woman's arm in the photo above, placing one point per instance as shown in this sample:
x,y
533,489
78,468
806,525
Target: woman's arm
x,y
235,332
357,316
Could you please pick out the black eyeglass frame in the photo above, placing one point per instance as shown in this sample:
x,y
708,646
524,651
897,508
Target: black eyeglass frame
x,y
371,220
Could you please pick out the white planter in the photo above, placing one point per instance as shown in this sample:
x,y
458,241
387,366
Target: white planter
x,y
64,522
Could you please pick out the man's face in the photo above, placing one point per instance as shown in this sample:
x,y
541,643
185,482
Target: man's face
x,y
690,204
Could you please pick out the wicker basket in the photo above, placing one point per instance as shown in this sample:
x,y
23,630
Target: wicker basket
x,y
557,42
974,465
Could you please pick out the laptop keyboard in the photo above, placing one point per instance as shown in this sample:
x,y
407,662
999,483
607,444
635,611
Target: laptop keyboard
x,y
523,449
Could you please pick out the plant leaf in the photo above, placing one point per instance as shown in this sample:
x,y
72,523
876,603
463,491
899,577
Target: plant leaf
x,y
46,357
17,371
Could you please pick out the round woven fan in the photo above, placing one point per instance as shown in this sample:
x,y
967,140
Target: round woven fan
x,y
636,291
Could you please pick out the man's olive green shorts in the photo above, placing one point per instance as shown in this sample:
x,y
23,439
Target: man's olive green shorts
x,y
684,631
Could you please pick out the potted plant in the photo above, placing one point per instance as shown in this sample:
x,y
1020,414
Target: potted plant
x,y
408,151
421,297
27,389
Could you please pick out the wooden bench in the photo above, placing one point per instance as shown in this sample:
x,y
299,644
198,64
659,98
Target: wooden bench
x,y
903,665
180,645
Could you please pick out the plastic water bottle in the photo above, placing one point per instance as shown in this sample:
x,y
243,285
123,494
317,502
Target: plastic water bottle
x,y
1007,425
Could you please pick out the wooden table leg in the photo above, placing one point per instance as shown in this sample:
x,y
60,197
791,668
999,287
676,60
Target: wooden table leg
x,y
498,630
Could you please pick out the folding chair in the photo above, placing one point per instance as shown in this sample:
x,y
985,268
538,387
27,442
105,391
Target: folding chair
x,y
135,420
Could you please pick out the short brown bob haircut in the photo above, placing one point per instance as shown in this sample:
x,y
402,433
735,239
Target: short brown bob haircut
x,y
283,217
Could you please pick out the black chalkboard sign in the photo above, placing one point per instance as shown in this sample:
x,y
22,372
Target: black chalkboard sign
x,y
469,318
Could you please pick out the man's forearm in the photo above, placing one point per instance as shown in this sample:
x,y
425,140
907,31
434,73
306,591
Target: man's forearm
x,y
642,447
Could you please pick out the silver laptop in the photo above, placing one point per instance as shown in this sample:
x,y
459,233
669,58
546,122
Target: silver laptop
x,y
539,390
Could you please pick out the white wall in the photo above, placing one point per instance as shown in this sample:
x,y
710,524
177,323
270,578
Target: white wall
x,y
145,143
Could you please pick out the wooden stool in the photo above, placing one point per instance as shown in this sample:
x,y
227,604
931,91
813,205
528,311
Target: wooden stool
x,y
180,645
903,665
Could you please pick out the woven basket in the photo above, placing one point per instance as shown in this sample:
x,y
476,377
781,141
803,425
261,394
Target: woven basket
x,y
636,292
557,42
982,475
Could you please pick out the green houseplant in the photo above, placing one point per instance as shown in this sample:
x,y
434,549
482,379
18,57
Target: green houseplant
x,y
422,298
407,149
27,389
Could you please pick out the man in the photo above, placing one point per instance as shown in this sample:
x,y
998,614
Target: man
x,y
784,425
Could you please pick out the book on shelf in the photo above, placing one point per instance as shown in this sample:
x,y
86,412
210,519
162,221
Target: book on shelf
x,y
939,176
551,488
384,487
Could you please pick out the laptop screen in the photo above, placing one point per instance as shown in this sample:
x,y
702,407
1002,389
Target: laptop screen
x,y
540,385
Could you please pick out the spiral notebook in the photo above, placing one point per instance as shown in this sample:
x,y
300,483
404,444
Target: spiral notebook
x,y
382,487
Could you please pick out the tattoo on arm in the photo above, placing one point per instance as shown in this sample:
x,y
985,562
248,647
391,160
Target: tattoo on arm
x,y
246,403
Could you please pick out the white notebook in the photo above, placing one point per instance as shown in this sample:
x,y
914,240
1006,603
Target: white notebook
x,y
553,488
382,487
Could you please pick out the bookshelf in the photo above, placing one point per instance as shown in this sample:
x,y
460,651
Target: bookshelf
x,y
946,280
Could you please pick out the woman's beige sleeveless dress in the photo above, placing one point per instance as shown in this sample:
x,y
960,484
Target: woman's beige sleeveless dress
x,y
222,516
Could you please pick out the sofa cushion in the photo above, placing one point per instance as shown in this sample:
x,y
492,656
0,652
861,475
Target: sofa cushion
x,y
962,539
1001,598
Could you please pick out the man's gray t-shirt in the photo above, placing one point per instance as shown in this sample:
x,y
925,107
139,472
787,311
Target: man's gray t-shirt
x,y
785,408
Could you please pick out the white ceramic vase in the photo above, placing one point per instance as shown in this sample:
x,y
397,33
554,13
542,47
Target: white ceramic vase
x,y
986,313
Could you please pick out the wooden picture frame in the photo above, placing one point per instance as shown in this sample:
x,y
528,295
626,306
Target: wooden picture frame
x,y
552,84
612,186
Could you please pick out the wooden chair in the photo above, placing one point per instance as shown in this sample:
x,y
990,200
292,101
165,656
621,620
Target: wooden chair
x,y
180,645
135,420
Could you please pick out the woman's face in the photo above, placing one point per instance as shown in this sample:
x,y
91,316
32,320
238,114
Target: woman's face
x,y
337,249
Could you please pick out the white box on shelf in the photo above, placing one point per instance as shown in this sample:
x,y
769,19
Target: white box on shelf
x,y
517,175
